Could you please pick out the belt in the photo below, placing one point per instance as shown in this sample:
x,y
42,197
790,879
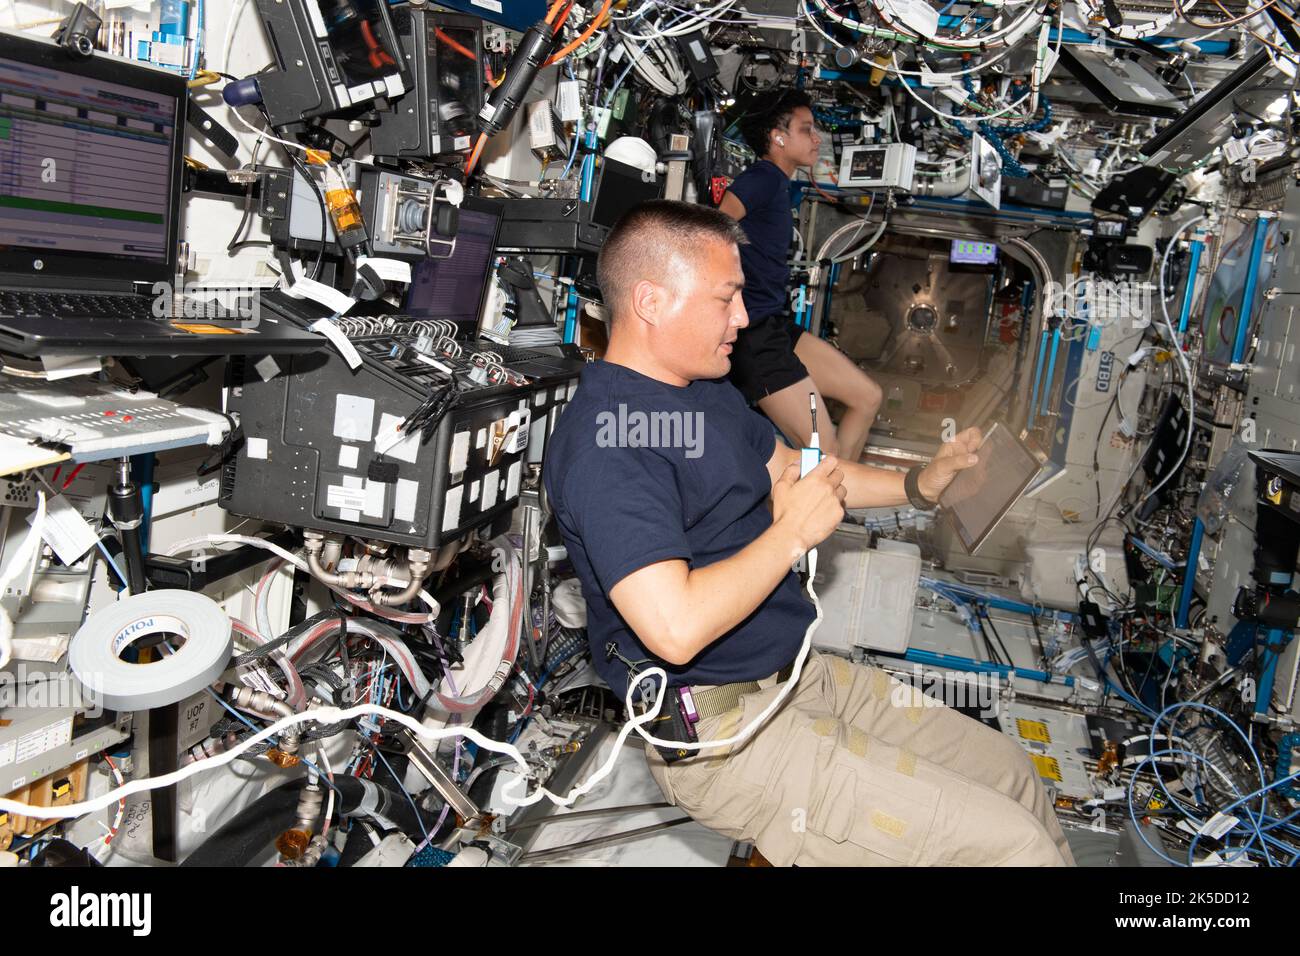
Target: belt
x,y
716,701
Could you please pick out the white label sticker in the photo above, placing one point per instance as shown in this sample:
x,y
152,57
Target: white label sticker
x,y
327,328
389,441
493,5
568,103
8,752
348,456
354,417
490,481
393,270
375,494
930,78
257,447
451,507
519,440
473,491
404,499
345,499
66,531
459,452
512,481
1219,825
480,438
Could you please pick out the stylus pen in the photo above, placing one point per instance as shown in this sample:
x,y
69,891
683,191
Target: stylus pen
x,y
814,440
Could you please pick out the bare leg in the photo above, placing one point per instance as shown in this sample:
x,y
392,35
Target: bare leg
x,y
837,377
788,410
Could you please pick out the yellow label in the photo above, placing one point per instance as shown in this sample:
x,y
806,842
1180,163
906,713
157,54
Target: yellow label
x,y
1033,730
1047,766
200,328
318,157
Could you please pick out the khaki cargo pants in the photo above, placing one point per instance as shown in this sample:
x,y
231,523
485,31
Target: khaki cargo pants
x,y
854,770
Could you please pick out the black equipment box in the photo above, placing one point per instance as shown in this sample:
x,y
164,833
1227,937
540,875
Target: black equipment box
x,y
321,448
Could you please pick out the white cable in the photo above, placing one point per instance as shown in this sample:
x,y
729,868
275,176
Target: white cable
x,y
823,252
671,80
867,244
1182,357
266,134
973,118
331,715
681,29
231,22
25,558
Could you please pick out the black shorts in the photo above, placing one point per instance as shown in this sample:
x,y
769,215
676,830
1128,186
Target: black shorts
x,y
763,359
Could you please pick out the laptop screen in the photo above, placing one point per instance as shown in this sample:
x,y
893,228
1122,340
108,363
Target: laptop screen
x,y
89,156
453,288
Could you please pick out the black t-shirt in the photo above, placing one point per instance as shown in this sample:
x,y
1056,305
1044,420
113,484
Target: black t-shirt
x,y
639,471
768,224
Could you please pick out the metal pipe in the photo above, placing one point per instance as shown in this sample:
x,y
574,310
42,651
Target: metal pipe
x,y
313,543
605,840
263,703
417,565
585,815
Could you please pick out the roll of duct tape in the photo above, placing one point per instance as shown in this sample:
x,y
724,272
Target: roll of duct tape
x,y
205,648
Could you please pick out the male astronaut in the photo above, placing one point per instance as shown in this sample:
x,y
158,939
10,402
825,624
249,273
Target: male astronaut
x,y
686,564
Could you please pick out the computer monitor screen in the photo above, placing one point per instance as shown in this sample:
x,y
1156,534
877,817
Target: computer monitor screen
x,y
453,288
980,495
86,163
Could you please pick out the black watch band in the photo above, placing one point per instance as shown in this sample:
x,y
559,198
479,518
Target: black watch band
x,y
913,489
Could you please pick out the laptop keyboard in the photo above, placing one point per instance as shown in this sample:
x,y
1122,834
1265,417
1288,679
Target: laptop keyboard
x,y
79,304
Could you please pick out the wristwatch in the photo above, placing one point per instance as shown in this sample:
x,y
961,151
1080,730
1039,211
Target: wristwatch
x,y
913,489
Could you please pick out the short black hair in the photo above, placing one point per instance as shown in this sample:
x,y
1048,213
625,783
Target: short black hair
x,y
768,113
653,240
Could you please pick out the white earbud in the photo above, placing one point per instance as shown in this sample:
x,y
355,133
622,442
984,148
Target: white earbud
x,y
780,141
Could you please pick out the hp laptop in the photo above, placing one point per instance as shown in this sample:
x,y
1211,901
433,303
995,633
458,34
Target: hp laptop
x,y
90,195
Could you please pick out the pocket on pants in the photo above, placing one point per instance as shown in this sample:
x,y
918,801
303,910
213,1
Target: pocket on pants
x,y
888,815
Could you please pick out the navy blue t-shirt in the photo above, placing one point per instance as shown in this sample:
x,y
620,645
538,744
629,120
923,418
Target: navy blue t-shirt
x,y
768,224
639,471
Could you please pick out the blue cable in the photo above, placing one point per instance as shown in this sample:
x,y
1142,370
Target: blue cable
x,y
1255,819
111,563
198,43
1151,758
1250,796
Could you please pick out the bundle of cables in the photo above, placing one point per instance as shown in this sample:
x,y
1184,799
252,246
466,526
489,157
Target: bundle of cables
x,y
430,412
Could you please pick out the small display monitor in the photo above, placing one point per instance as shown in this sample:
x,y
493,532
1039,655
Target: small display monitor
x,y
968,252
